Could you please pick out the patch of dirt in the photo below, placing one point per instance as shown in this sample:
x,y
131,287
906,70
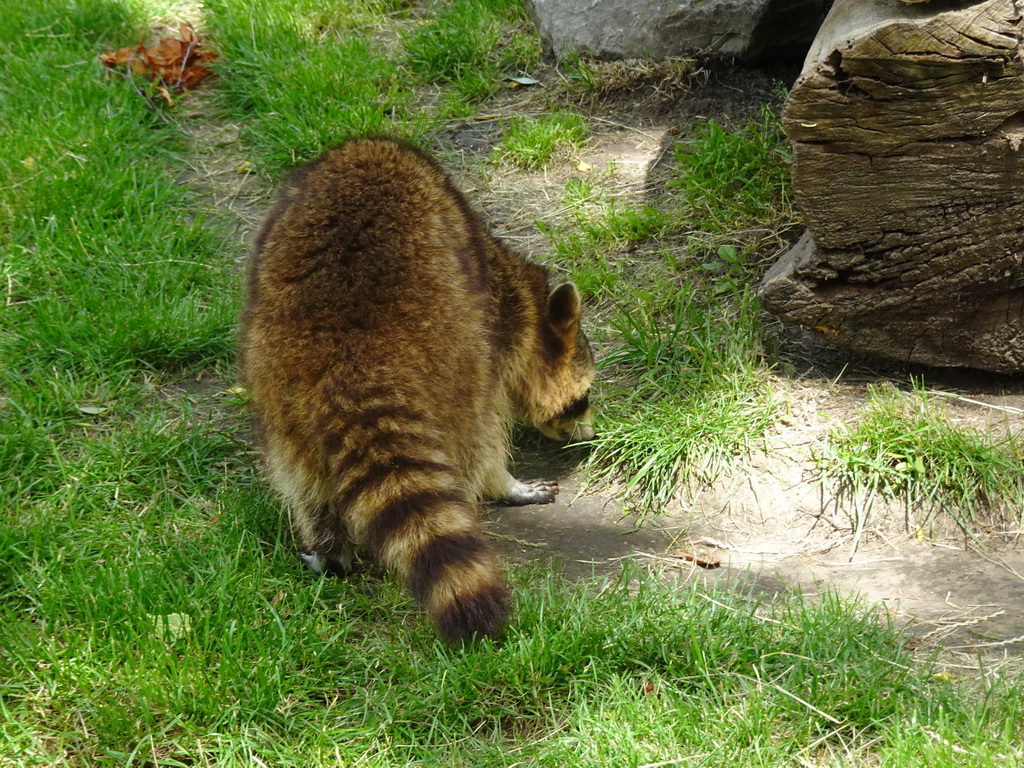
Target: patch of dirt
x,y
220,172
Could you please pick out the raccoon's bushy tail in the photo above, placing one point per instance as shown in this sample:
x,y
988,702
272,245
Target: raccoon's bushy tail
x,y
419,526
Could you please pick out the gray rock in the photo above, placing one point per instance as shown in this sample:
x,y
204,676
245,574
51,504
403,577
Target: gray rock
x,y
615,29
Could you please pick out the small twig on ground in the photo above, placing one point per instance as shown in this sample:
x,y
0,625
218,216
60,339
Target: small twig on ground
x,y
674,761
972,401
993,644
631,128
946,627
807,704
729,608
520,542
882,536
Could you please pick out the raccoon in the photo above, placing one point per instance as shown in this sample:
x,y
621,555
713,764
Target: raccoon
x,y
388,341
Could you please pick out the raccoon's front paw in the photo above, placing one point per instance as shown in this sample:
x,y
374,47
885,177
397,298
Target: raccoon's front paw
x,y
531,492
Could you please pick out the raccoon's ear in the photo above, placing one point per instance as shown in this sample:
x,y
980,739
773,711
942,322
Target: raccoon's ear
x,y
565,307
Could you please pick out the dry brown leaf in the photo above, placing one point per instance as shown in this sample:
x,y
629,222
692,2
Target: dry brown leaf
x,y
171,63
698,561
165,95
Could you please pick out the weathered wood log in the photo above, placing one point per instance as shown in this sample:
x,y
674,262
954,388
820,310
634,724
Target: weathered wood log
x,y
906,124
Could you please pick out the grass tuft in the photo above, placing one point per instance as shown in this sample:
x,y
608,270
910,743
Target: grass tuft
x,y
904,447
600,228
688,398
689,395
532,142
728,180
667,77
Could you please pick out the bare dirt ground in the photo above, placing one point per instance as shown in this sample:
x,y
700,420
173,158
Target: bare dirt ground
x,y
770,526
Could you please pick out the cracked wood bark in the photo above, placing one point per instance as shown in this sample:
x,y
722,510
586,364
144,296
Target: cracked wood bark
x,y
907,123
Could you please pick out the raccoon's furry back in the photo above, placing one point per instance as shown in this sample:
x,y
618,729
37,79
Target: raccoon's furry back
x,y
387,339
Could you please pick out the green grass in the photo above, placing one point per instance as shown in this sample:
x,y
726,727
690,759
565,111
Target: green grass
x,y
687,398
455,41
153,611
903,447
729,194
105,262
731,180
594,232
229,654
112,280
301,80
302,77
606,226
471,46
531,142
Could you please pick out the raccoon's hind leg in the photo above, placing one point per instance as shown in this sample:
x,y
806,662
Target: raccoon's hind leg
x,y
317,524
324,544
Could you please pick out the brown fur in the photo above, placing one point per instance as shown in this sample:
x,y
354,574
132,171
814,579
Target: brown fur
x,y
387,341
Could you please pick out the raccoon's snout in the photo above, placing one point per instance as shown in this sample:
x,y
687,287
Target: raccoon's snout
x,y
574,424
578,431
582,432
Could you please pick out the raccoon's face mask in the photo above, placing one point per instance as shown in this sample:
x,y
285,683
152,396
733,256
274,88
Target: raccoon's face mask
x,y
574,424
